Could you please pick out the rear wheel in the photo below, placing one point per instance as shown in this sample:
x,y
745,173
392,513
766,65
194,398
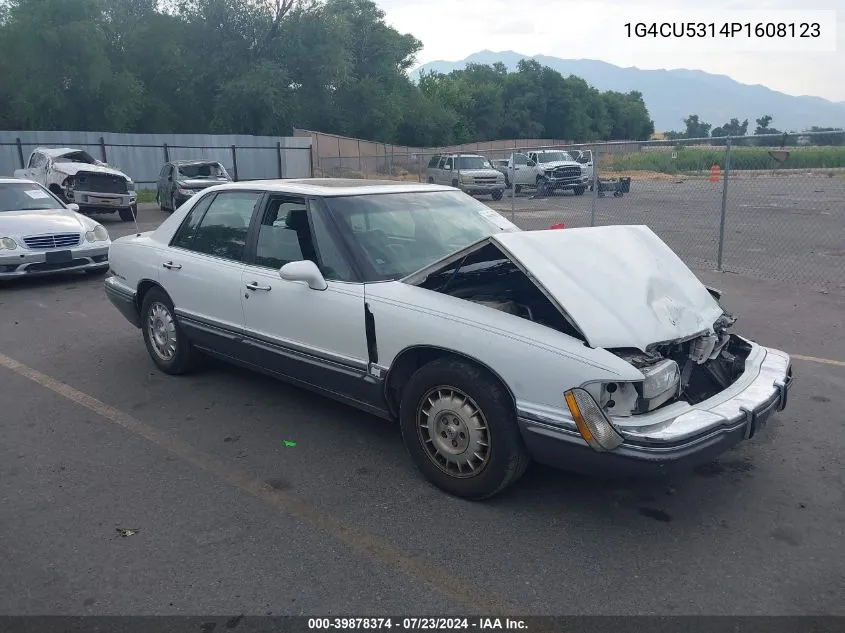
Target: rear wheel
x,y
167,344
459,425
517,188
127,214
430,180
497,195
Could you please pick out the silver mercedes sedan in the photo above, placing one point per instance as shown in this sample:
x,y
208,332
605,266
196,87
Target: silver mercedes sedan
x,y
41,235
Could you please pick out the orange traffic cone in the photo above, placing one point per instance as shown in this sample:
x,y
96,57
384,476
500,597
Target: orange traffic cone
x,y
715,173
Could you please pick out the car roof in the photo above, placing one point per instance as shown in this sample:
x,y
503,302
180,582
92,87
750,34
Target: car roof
x,y
335,187
194,161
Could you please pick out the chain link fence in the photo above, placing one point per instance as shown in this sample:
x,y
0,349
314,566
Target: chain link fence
x,y
764,206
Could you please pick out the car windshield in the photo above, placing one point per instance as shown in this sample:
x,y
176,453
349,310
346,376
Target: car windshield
x,y
76,157
202,170
553,157
472,162
25,197
397,234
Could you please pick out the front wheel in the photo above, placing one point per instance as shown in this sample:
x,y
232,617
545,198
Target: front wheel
x,y
459,425
128,214
497,195
166,343
579,191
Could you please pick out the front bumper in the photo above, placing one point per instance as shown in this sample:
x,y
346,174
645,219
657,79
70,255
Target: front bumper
x,y
34,263
677,437
568,183
102,201
482,189
124,300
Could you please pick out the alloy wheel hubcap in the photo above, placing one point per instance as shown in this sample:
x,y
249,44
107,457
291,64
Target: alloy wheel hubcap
x,y
454,432
162,331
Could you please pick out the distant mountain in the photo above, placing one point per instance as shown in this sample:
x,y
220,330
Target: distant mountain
x,y
672,95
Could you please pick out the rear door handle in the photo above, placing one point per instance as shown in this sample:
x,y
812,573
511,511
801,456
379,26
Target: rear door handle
x,y
254,286
172,266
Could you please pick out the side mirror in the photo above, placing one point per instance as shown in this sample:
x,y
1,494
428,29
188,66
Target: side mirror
x,y
73,207
447,167
306,271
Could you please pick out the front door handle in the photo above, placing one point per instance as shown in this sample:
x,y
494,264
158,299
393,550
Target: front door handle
x,y
254,286
172,266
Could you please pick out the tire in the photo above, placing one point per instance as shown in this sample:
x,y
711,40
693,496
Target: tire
x,y
542,186
156,309
497,195
579,191
127,214
517,188
504,458
430,180
456,184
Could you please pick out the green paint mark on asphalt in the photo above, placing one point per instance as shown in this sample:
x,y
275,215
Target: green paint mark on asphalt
x,y
289,444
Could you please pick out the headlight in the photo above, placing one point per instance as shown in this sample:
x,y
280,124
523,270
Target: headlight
x,y
660,378
130,186
7,243
99,234
185,192
592,424
466,179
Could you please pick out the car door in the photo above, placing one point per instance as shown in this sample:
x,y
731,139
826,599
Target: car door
x,y
161,185
523,174
313,337
446,175
37,168
586,160
202,267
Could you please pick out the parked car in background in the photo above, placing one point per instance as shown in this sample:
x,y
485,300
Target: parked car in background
x,y
556,169
470,173
75,176
40,234
584,157
179,180
590,349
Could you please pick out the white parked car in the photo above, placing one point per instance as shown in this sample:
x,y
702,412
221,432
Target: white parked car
x,y
76,176
591,349
40,234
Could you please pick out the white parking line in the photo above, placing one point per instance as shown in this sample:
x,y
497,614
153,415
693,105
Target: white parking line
x,y
439,578
815,359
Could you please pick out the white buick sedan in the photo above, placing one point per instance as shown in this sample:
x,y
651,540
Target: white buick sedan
x,y
594,349
41,235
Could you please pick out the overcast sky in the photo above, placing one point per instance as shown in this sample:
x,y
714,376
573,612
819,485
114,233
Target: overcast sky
x,y
592,29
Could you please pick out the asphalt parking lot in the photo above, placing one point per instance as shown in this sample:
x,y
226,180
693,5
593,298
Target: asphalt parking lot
x,y
227,518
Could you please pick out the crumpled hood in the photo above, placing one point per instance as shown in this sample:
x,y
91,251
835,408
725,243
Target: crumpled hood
x,y
621,285
71,169
21,223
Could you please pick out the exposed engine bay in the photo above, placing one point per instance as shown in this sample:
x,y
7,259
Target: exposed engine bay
x,y
692,369
489,278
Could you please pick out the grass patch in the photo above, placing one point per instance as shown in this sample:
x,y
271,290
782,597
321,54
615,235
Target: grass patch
x,y
146,195
697,159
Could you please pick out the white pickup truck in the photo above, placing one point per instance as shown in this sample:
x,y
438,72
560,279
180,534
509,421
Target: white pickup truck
x,y
546,170
76,176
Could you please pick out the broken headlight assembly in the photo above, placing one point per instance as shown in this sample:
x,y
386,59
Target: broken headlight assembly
x,y
68,186
661,383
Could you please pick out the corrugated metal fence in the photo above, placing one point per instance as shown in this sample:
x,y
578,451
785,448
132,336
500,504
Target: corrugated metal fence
x,y
142,156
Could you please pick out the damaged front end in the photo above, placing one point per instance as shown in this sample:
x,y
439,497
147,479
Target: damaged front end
x,y
692,370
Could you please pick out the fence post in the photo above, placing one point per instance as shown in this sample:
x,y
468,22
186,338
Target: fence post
x,y
166,153
420,166
235,162
724,205
103,149
311,162
595,196
360,166
20,152
279,157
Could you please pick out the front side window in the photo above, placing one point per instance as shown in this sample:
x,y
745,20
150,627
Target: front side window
x,y
25,197
434,160
520,159
396,234
38,160
223,229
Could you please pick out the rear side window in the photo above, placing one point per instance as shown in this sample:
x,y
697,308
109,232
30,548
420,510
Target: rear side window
x,y
185,235
223,229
